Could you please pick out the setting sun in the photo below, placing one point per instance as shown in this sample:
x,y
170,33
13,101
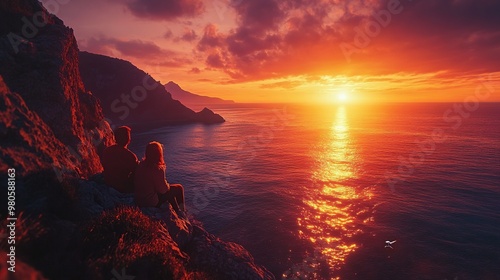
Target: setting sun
x,y
342,96
338,96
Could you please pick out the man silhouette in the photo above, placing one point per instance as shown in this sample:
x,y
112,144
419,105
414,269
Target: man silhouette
x,y
119,162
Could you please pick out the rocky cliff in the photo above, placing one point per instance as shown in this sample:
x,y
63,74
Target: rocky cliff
x,y
83,229
39,62
131,96
28,143
69,224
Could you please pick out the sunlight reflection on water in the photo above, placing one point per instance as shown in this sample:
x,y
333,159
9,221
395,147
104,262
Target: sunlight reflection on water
x,y
329,218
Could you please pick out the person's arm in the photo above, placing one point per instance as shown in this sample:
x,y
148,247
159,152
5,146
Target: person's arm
x,y
132,166
161,185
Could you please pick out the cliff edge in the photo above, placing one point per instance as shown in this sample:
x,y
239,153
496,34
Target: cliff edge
x,y
39,63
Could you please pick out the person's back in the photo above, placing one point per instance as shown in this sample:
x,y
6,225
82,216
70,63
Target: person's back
x,y
151,187
119,163
149,182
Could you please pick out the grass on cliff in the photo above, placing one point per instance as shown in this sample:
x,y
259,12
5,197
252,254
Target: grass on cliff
x,y
52,238
124,238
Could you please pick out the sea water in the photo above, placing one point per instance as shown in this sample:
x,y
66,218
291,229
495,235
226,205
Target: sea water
x,y
314,192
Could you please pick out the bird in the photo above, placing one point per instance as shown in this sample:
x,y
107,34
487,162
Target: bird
x,y
388,244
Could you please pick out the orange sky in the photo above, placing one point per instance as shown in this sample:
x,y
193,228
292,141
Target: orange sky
x,y
302,51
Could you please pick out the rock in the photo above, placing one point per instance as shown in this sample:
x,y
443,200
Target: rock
x,y
208,117
43,70
180,229
28,143
94,198
114,80
22,270
207,253
224,260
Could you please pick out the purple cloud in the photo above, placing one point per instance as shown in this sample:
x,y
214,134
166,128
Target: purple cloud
x,y
142,50
168,34
279,38
131,48
189,35
194,70
165,9
211,38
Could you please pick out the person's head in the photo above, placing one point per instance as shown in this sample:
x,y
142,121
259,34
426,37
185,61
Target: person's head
x,y
154,154
122,136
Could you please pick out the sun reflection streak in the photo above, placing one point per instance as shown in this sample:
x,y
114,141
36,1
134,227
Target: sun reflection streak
x,y
330,218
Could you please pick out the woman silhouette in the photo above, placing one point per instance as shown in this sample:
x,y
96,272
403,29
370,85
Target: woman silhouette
x,y
151,187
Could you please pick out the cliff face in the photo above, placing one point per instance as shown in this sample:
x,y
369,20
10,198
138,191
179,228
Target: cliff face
x,y
28,143
39,62
131,96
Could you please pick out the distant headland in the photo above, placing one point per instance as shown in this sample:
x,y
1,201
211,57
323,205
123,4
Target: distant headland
x,y
130,96
192,100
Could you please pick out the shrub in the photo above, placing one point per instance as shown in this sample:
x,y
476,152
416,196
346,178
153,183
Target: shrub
x,y
124,238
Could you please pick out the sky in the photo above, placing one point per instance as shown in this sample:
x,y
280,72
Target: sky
x,y
305,51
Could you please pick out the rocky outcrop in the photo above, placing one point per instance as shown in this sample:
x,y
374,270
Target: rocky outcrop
x,y
199,251
39,62
131,96
28,143
191,100
207,114
23,270
83,229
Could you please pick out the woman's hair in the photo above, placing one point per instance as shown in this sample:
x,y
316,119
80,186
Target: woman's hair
x,y
154,154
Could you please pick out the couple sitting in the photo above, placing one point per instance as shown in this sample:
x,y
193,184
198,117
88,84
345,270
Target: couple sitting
x,y
146,179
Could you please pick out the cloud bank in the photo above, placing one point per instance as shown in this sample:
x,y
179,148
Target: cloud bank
x,y
164,9
284,38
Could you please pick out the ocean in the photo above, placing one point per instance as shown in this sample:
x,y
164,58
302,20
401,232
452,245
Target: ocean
x,y
315,191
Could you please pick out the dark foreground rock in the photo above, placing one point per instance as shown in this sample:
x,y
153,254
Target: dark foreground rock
x,y
28,143
199,252
22,271
82,229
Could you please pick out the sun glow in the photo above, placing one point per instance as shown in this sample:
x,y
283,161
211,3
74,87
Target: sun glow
x,y
342,96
